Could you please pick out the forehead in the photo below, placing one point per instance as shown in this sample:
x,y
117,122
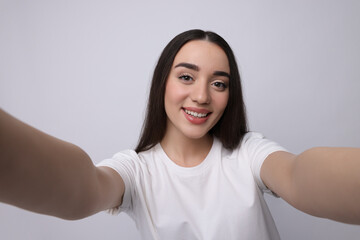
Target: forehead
x,y
205,54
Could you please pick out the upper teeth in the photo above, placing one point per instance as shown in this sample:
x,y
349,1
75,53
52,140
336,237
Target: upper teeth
x,y
195,114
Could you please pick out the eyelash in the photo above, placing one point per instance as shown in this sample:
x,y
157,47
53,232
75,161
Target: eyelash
x,y
223,85
187,78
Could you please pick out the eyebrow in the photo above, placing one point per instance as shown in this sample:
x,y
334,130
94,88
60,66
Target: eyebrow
x,y
188,65
221,73
196,68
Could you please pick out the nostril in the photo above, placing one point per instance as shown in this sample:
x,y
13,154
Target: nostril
x,y
201,98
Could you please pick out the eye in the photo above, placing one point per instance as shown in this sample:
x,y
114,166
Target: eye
x,y
186,77
220,85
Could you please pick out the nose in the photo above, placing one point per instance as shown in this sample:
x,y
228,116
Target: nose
x,y
200,93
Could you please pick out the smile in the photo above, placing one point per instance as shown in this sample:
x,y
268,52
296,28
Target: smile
x,y
196,114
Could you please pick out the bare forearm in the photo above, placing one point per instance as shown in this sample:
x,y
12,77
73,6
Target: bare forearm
x,y
41,173
327,183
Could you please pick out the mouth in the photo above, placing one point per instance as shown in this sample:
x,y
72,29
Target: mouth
x,y
199,113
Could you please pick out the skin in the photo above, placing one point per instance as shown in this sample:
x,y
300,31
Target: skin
x,y
194,83
322,181
46,175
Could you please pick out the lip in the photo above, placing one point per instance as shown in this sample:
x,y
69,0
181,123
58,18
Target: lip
x,y
196,120
198,110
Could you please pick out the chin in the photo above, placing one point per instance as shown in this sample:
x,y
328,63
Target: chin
x,y
195,135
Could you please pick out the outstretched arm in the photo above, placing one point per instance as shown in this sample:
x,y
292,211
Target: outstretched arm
x,y
323,182
43,174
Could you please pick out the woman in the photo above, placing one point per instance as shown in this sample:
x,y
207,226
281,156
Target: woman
x,y
197,173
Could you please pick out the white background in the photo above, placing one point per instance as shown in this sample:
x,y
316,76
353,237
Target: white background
x,y
80,70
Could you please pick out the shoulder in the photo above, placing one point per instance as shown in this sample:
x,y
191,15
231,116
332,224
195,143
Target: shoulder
x,y
255,143
248,140
254,149
257,148
130,159
125,154
250,143
131,155
251,138
122,161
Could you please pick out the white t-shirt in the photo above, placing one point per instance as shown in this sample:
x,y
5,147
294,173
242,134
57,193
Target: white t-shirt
x,y
221,198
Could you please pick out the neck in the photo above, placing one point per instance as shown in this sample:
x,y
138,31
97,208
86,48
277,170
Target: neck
x,y
185,151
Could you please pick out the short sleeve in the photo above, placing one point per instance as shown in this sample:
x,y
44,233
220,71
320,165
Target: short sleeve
x,y
124,163
258,148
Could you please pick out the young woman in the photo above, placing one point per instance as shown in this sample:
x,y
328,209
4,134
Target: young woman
x,y
197,173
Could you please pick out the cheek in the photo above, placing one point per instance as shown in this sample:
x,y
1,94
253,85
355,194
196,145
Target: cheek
x,y
174,94
221,101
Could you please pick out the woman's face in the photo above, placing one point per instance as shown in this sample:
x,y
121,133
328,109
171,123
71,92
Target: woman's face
x,y
197,90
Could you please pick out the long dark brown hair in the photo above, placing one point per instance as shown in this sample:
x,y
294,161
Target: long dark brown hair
x,y
231,127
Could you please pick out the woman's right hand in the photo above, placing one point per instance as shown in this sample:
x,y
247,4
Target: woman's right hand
x,y
46,175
